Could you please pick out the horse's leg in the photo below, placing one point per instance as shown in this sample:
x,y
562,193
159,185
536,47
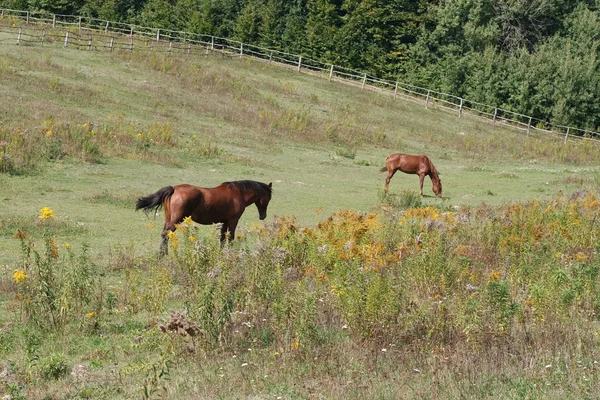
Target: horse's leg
x,y
164,247
224,227
389,177
228,228
170,220
421,178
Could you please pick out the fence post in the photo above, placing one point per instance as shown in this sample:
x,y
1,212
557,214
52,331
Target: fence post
x,y
207,50
460,108
184,36
27,20
241,49
157,35
111,44
567,135
299,63
53,20
189,49
79,24
89,42
331,73
364,81
495,113
396,90
43,36
427,98
67,39
131,31
528,126
270,56
106,27
19,37
170,46
212,42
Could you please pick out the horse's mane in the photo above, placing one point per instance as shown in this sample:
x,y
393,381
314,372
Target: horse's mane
x,y
261,188
434,173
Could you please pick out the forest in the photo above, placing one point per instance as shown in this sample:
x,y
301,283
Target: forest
x,y
535,57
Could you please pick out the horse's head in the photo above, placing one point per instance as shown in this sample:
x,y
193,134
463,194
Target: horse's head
x,y
437,187
263,201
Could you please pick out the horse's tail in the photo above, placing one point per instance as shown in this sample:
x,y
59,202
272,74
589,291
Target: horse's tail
x,y
155,200
384,169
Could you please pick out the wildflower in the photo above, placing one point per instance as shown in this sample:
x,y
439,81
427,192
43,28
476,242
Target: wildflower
x,y
194,136
580,257
52,248
296,344
19,276
49,132
174,242
192,239
495,276
46,213
91,314
188,220
139,135
67,246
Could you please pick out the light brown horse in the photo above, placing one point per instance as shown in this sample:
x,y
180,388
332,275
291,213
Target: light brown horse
x,y
222,204
419,165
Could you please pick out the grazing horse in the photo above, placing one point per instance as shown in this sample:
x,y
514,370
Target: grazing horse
x,y
419,165
225,204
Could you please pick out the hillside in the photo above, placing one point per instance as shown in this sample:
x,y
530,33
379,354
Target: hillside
x,y
207,120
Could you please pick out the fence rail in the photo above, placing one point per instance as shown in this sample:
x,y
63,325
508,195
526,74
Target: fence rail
x,y
34,28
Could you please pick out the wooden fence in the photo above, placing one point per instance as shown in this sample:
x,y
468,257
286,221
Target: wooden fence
x,y
28,28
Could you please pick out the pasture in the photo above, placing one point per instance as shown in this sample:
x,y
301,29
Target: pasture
x,y
276,314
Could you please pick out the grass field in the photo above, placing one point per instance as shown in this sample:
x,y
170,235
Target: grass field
x,y
87,133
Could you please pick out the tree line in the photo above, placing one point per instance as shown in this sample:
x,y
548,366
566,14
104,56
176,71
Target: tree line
x,y
535,57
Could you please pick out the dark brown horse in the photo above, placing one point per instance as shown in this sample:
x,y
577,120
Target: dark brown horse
x,y
419,165
222,204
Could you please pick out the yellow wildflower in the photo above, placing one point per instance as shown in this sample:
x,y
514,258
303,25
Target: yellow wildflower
x,y
188,220
139,135
495,276
67,245
192,239
91,314
295,344
580,257
49,132
19,276
46,213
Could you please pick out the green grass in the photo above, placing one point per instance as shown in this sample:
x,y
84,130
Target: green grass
x,y
321,144
303,148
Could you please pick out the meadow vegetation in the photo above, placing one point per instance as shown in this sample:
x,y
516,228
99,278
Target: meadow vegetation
x,y
344,292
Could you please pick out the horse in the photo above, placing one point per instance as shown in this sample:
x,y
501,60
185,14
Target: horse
x,y
419,165
221,204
